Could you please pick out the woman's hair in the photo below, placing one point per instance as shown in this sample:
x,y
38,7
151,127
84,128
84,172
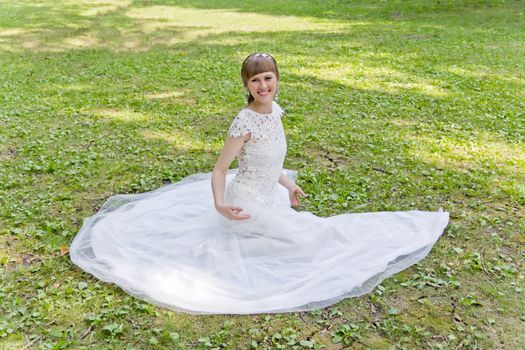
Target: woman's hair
x,y
255,64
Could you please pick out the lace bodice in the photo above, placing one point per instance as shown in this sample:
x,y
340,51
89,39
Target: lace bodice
x,y
261,158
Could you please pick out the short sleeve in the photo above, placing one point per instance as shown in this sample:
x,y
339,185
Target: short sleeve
x,y
240,126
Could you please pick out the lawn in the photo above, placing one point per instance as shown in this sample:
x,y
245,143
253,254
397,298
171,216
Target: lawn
x,y
390,105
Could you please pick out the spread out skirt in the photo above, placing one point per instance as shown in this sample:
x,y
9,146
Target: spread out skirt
x,y
171,248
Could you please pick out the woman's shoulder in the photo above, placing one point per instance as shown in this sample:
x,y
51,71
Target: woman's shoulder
x,y
241,124
277,109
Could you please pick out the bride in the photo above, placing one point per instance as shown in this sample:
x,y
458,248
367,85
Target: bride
x,y
239,247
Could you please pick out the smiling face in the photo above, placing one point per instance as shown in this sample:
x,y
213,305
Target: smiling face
x,y
260,76
262,87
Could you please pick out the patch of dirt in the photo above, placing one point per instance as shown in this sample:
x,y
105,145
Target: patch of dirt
x,y
8,154
328,158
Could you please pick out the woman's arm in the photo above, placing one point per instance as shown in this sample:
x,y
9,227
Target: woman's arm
x,y
231,148
286,181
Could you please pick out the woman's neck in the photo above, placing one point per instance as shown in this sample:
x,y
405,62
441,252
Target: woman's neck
x,y
261,108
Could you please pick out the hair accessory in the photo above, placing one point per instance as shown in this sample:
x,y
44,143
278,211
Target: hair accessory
x,y
265,55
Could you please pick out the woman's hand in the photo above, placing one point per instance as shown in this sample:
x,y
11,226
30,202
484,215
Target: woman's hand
x,y
295,192
231,212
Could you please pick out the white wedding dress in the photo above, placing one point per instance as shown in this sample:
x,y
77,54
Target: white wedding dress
x,y
171,248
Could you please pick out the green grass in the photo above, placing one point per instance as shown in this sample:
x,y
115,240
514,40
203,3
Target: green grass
x,y
391,105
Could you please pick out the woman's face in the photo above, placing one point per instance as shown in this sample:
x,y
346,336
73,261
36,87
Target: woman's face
x,y
263,87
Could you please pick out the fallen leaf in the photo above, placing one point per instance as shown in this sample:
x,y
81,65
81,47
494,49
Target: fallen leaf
x,y
63,250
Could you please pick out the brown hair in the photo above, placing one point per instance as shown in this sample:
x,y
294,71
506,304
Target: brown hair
x,y
257,63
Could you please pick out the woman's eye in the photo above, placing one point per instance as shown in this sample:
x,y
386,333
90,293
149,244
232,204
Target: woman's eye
x,y
268,78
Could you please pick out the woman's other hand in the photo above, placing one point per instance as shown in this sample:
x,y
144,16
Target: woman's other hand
x,y
295,192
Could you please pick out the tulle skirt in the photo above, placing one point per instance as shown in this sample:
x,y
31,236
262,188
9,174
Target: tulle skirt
x,y
171,248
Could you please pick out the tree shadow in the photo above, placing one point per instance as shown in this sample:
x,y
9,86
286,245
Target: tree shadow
x,y
352,76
